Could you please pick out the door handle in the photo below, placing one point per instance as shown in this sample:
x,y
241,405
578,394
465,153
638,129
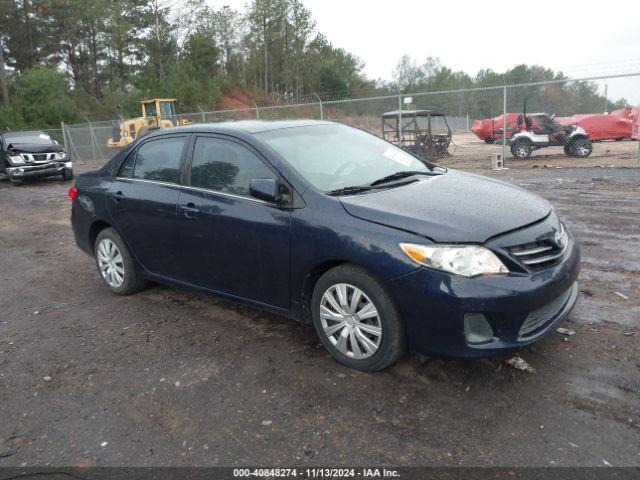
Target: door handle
x,y
189,210
118,196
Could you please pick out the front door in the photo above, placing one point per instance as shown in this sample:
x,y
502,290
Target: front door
x,y
143,199
231,242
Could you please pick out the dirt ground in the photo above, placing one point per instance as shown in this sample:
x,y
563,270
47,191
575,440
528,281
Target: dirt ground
x,y
471,153
168,377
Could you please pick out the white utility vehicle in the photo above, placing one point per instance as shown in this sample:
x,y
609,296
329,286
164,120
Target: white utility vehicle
x,y
539,130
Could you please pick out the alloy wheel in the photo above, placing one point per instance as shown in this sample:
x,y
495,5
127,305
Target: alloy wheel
x,y
522,152
582,150
351,321
110,263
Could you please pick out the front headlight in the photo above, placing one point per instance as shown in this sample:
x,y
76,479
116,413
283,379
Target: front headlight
x,y
16,160
467,260
60,156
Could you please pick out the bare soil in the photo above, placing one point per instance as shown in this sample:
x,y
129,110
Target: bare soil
x,y
168,377
472,153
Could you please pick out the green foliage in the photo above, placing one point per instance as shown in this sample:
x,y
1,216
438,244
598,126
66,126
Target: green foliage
x,y
41,101
332,83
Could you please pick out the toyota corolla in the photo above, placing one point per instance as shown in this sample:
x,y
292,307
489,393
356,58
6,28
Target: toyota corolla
x,y
381,251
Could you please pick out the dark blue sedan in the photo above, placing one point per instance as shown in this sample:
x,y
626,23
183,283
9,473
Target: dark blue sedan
x,y
330,225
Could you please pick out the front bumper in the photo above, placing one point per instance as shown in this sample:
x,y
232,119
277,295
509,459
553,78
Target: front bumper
x,y
433,305
31,171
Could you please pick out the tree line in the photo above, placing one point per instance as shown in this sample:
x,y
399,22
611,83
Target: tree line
x,y
92,55
72,60
560,96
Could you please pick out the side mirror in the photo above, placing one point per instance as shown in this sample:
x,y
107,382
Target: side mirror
x,y
264,189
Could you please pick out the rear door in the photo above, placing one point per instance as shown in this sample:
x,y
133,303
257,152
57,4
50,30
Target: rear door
x,y
143,199
231,242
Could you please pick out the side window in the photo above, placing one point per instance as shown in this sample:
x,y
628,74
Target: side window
x,y
127,169
225,166
157,160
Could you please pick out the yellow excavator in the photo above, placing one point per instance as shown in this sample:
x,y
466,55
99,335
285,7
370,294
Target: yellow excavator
x,y
156,113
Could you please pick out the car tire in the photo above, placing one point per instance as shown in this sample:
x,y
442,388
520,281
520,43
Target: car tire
x,y
568,151
17,183
581,148
521,149
489,140
119,274
370,343
67,174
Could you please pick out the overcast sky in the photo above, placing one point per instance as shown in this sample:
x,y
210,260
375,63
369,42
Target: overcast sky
x,y
581,38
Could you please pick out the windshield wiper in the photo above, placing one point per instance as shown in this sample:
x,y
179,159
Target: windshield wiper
x,y
402,174
377,184
349,190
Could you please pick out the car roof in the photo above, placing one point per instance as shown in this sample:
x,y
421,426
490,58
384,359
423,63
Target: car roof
x,y
24,133
246,126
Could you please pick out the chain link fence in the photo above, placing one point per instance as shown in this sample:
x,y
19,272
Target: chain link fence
x,y
484,122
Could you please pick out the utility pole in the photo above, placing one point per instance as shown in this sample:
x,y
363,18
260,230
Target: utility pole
x,y
266,58
504,125
3,78
159,65
606,86
320,102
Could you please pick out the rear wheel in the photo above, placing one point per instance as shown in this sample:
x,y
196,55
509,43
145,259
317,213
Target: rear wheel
x,y
521,149
115,264
489,140
581,147
356,319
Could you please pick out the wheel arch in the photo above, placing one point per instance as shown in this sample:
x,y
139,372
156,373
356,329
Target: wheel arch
x,y
310,281
94,230
521,139
580,136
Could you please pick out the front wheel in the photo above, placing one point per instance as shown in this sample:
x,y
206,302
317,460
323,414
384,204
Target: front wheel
x,y
581,148
115,264
67,174
521,149
356,319
568,151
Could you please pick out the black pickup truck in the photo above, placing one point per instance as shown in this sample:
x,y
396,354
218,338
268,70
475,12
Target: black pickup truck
x,y
32,154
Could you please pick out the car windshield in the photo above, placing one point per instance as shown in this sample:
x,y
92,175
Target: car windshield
x,y
39,138
331,157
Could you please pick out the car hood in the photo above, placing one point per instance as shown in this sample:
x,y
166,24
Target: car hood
x,y
34,148
456,207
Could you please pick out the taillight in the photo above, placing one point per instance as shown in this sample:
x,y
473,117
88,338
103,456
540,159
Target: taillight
x,y
73,192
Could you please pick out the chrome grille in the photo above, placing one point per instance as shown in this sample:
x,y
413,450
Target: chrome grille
x,y
543,253
38,157
543,315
